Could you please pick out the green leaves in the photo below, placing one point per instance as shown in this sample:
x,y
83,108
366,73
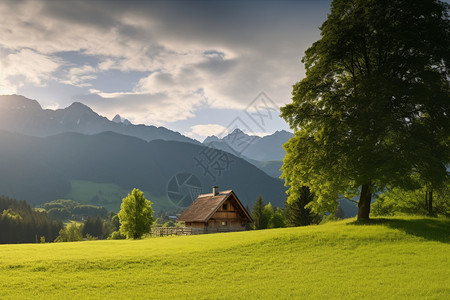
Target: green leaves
x,y
374,106
135,215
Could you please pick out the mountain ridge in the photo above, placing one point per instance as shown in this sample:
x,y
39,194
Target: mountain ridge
x,y
26,116
252,147
41,169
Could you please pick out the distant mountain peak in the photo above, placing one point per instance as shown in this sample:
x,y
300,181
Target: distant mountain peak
x,y
117,119
19,102
241,136
283,132
237,130
78,106
210,139
267,148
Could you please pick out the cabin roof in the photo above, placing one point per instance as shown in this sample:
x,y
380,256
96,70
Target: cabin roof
x,y
206,205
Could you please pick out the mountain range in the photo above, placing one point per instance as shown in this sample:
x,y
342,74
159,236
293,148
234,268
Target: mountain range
x,y
252,147
77,154
26,116
41,169
266,152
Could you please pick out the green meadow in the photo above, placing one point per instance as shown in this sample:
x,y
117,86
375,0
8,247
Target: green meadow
x,y
110,195
393,258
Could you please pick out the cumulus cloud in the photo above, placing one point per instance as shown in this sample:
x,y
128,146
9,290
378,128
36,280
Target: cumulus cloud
x,y
33,66
191,54
80,76
142,108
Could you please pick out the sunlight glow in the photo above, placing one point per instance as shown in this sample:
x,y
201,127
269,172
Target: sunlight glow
x,y
6,88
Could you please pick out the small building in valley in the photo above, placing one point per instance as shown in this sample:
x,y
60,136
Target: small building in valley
x,y
216,212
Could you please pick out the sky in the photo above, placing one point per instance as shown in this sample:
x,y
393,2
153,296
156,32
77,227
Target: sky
x,y
196,67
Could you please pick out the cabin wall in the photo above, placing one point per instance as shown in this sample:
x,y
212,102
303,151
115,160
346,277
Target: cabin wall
x,y
227,218
195,224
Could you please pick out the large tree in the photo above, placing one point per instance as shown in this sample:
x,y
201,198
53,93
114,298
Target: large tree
x,y
135,215
374,106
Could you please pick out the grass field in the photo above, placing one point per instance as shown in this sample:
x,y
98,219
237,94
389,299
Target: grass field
x,y
403,258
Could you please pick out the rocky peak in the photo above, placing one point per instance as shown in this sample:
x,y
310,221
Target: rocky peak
x,y
117,119
79,107
17,102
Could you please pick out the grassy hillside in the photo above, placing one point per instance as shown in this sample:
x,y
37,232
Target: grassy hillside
x,y
391,258
110,196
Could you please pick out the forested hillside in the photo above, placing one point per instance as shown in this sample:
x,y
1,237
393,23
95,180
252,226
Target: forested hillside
x,y
19,223
41,169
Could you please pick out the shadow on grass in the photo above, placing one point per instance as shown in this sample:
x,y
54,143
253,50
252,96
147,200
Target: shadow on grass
x,y
433,229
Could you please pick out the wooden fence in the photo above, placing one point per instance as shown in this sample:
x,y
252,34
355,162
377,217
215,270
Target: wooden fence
x,y
165,231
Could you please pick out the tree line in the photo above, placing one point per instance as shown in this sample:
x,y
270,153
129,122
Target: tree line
x,y
295,213
298,211
66,209
19,223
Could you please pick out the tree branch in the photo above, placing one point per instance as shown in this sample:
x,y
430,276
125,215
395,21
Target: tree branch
x,y
351,200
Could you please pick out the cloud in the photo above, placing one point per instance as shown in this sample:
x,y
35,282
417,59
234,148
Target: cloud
x,y
202,131
191,53
79,76
31,65
142,108
6,88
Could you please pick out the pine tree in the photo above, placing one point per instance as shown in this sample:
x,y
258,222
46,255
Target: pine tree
x,y
259,218
296,213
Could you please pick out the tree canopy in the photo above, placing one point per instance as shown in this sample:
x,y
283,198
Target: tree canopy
x,y
374,106
135,215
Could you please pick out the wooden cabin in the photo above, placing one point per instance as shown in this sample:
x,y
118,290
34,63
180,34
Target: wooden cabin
x,y
216,212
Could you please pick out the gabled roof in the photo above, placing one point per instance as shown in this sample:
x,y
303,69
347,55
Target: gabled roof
x,y
206,205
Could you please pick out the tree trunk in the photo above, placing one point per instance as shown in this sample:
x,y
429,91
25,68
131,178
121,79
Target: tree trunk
x,y
430,203
364,202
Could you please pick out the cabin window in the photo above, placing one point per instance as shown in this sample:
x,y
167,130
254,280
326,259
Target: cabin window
x,y
224,223
224,207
